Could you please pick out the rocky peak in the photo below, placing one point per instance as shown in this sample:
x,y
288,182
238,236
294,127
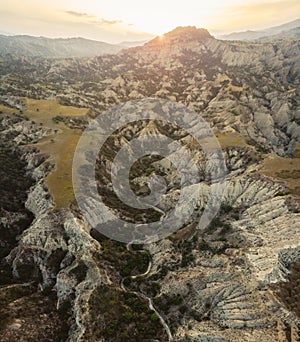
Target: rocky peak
x,y
150,129
181,35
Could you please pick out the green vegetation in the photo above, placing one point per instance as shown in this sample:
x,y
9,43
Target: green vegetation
x,y
57,119
203,246
21,302
174,306
112,310
14,185
288,292
144,166
154,317
215,223
125,262
288,174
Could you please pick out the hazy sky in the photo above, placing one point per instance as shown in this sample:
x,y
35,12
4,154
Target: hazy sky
x,y
117,20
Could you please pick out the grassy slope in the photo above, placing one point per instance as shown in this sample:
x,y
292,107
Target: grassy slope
x,y
231,139
59,147
7,110
285,169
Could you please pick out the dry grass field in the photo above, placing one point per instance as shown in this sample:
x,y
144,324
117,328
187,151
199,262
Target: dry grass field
x,y
231,139
60,147
285,169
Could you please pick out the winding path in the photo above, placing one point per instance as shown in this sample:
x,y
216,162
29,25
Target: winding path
x,y
141,295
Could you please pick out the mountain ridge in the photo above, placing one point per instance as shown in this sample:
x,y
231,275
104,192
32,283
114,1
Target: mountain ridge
x,y
257,34
30,46
182,33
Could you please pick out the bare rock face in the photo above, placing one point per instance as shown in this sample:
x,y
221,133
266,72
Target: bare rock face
x,y
55,251
222,280
251,88
213,284
180,35
20,132
59,254
39,201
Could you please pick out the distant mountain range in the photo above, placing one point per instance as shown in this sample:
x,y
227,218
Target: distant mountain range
x,y
290,34
288,30
133,44
23,45
29,46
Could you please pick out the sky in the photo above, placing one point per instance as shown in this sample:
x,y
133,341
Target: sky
x,y
115,21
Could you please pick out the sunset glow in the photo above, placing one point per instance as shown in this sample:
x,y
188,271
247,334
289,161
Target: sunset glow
x,y
117,20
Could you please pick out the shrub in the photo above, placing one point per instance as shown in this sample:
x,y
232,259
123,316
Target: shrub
x,y
226,228
226,208
156,287
235,216
127,315
203,246
154,317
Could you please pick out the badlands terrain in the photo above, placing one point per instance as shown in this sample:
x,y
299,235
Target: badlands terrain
x,y
236,280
